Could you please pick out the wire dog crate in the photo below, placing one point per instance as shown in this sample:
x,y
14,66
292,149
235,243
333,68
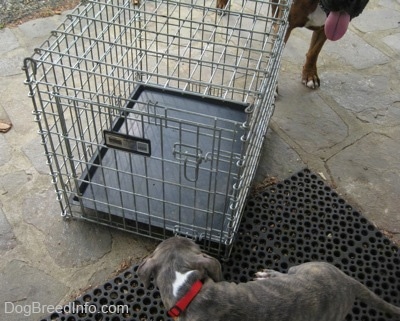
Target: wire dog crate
x,y
152,115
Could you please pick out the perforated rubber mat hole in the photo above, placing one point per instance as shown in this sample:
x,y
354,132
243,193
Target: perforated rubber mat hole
x,y
298,220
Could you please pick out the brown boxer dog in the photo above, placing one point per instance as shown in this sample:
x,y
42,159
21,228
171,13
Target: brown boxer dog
x,y
328,19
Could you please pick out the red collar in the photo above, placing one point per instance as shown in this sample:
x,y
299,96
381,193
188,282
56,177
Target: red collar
x,y
183,303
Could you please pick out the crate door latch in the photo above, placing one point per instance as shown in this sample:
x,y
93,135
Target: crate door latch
x,y
191,157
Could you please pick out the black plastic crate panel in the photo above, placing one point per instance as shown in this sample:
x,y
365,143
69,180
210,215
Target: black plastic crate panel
x,y
297,220
194,144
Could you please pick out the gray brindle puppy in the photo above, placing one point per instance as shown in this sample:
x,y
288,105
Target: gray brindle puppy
x,y
308,292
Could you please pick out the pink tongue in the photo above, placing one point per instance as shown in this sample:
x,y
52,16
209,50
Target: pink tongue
x,y
336,25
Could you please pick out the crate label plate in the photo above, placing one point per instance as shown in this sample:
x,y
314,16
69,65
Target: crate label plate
x,y
127,143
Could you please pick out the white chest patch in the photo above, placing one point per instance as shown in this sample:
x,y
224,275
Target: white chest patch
x,y
316,18
180,279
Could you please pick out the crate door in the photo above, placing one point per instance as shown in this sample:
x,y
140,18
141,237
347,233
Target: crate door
x,y
167,162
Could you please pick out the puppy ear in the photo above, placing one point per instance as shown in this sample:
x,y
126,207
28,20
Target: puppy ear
x,y
210,265
146,271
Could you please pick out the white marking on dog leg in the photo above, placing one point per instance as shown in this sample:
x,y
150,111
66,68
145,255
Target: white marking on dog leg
x,y
267,274
311,84
180,279
262,275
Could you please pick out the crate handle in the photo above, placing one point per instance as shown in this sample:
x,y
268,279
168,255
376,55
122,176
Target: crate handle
x,y
196,170
196,156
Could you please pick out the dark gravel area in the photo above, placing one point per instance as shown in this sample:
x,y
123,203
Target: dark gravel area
x,y
13,12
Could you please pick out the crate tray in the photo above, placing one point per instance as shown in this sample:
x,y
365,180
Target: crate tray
x,y
169,154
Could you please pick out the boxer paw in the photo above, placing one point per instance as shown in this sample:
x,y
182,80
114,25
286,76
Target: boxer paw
x,y
310,78
221,4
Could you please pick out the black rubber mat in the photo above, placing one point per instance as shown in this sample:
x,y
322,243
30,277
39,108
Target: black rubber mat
x,y
298,220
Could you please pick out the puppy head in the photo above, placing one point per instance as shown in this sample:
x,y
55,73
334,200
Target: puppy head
x,y
178,254
352,7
